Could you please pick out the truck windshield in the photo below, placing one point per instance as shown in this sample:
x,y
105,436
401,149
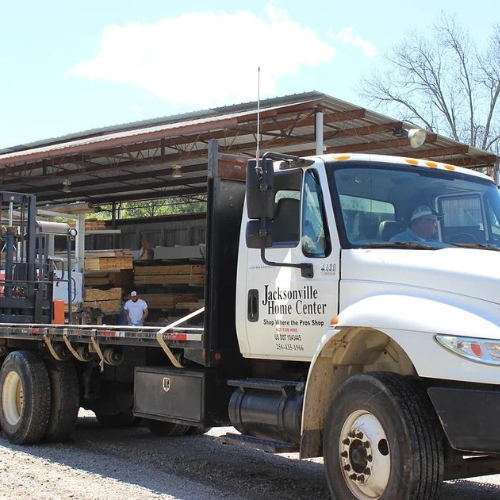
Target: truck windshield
x,y
376,205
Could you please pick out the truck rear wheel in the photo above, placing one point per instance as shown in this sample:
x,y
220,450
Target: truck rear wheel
x,y
166,429
65,401
25,397
382,440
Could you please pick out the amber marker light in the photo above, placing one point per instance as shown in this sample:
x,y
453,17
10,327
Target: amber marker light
x,y
431,164
343,157
334,321
449,167
411,161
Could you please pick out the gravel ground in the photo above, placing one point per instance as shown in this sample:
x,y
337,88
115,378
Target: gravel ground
x,y
133,464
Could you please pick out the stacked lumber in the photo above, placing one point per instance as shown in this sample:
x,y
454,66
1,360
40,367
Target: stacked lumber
x,y
167,300
187,274
191,305
108,301
95,225
121,278
108,260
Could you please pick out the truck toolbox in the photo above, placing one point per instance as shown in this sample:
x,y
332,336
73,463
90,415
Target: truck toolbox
x,y
169,394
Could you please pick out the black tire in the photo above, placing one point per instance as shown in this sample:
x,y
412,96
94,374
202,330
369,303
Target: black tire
x,y
65,402
382,440
166,429
197,431
121,419
24,397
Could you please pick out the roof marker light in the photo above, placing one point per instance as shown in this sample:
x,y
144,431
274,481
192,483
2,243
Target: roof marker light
x,y
449,167
411,161
342,157
431,164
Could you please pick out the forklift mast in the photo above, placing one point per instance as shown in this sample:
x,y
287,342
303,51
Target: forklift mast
x,y
26,272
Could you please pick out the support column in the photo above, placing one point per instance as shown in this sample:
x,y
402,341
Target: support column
x,y
80,243
319,131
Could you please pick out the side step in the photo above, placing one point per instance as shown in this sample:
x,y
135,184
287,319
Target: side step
x,y
284,386
268,445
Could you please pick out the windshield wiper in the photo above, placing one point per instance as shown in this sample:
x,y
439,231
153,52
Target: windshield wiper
x,y
412,245
482,246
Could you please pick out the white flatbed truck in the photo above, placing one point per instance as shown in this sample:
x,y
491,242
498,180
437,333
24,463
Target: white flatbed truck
x,y
319,335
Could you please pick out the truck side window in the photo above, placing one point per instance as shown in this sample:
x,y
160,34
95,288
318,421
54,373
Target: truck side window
x,y
315,240
463,215
286,219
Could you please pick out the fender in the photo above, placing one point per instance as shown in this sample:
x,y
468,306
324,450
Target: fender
x,y
392,333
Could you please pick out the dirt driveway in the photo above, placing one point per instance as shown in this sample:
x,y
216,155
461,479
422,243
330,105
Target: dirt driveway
x,y
132,464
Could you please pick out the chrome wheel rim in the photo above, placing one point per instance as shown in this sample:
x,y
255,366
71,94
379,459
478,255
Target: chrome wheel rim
x,y
12,398
365,458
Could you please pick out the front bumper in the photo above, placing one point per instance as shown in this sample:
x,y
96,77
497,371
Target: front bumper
x,y
470,417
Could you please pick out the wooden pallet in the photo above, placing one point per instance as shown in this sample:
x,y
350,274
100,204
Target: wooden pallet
x,y
188,274
106,306
169,269
108,263
166,300
90,294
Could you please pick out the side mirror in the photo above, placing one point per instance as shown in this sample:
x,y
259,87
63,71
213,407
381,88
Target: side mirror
x,y
260,183
253,234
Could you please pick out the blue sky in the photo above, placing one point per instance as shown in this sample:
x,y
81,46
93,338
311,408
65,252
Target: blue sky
x,y
68,67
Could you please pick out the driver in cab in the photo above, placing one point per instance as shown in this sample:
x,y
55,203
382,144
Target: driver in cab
x,y
423,226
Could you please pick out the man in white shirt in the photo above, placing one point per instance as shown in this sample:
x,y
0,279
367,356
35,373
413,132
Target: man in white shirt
x,y
136,310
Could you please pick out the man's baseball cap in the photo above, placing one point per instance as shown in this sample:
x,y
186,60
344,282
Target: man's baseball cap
x,y
422,211
133,294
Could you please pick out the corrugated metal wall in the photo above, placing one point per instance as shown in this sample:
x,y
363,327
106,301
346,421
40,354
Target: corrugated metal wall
x,y
167,234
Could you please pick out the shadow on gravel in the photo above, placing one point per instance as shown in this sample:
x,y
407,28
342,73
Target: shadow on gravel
x,y
202,468
464,489
188,468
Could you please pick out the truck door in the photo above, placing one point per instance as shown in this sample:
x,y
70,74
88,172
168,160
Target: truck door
x,y
287,313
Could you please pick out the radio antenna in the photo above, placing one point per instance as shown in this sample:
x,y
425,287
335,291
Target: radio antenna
x,y
257,153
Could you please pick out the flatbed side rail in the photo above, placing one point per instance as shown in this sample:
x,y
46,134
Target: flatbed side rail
x,y
173,333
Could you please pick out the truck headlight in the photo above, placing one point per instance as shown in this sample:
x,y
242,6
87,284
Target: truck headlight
x,y
476,349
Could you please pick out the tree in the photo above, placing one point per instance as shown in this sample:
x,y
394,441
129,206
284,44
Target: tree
x,y
444,83
156,207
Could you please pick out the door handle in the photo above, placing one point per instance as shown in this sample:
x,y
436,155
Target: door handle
x,y
253,305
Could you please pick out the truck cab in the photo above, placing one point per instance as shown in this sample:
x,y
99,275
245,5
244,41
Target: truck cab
x,y
401,338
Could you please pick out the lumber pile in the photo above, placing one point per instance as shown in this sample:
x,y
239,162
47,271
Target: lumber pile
x,y
108,260
186,274
191,305
108,301
121,278
95,225
167,300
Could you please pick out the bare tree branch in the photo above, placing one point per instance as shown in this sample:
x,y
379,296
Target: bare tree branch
x,y
441,81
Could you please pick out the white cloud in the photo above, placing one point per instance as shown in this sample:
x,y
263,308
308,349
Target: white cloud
x,y
137,109
345,35
206,59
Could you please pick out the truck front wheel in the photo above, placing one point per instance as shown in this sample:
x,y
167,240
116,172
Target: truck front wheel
x,y
382,440
25,397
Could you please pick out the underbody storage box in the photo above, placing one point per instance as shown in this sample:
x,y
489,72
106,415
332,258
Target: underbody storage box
x,y
170,394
